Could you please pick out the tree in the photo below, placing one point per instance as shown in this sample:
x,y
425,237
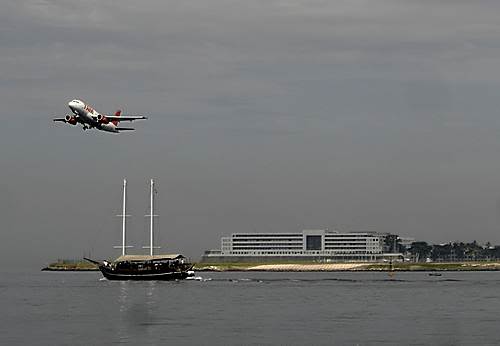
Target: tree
x,y
392,243
495,252
420,250
442,252
459,250
474,251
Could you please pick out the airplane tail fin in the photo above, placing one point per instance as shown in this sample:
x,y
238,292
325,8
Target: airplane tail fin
x,y
117,113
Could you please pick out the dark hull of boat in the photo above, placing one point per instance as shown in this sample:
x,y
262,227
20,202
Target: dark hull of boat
x,y
164,276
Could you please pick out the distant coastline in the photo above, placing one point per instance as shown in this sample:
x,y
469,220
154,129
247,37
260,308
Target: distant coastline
x,y
70,265
81,265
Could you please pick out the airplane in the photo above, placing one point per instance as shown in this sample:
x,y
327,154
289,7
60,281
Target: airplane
x,y
90,118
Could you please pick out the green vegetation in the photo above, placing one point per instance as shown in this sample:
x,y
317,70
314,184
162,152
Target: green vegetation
x,y
71,265
392,243
436,266
420,250
450,252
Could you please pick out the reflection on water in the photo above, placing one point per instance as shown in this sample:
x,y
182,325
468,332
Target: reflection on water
x,y
136,312
122,298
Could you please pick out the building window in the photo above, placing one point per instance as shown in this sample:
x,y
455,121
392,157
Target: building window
x,y
313,242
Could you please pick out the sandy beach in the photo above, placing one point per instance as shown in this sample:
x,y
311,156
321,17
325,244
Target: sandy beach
x,y
308,267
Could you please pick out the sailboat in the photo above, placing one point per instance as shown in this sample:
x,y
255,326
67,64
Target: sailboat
x,y
144,267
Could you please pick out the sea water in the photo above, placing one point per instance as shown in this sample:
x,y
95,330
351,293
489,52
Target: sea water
x,y
252,308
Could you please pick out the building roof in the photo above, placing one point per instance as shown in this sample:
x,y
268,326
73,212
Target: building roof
x,y
132,258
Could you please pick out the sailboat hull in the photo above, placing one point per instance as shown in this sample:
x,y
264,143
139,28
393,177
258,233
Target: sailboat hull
x,y
111,274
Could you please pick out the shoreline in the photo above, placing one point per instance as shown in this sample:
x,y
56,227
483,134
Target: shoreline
x,y
307,267
351,267
70,266
51,269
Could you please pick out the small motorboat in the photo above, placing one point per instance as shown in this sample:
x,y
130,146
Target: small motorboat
x,y
435,274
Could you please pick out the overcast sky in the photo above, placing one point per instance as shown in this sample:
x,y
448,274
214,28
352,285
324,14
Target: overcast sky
x,y
264,116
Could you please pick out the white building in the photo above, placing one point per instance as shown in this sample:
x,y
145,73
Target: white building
x,y
322,245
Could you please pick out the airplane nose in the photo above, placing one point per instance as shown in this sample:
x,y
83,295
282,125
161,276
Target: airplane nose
x,y
73,105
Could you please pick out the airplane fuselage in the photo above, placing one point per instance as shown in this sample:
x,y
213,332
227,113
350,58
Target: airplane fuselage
x,y
89,117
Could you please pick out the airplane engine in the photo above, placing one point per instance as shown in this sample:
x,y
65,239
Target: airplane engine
x,y
102,119
70,119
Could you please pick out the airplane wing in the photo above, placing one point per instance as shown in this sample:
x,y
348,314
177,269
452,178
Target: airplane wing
x,y
125,129
60,119
125,117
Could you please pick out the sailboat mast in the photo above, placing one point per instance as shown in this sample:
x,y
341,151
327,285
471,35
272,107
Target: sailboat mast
x,y
124,215
151,220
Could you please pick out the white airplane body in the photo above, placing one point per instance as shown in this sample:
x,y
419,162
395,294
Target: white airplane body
x,y
90,118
